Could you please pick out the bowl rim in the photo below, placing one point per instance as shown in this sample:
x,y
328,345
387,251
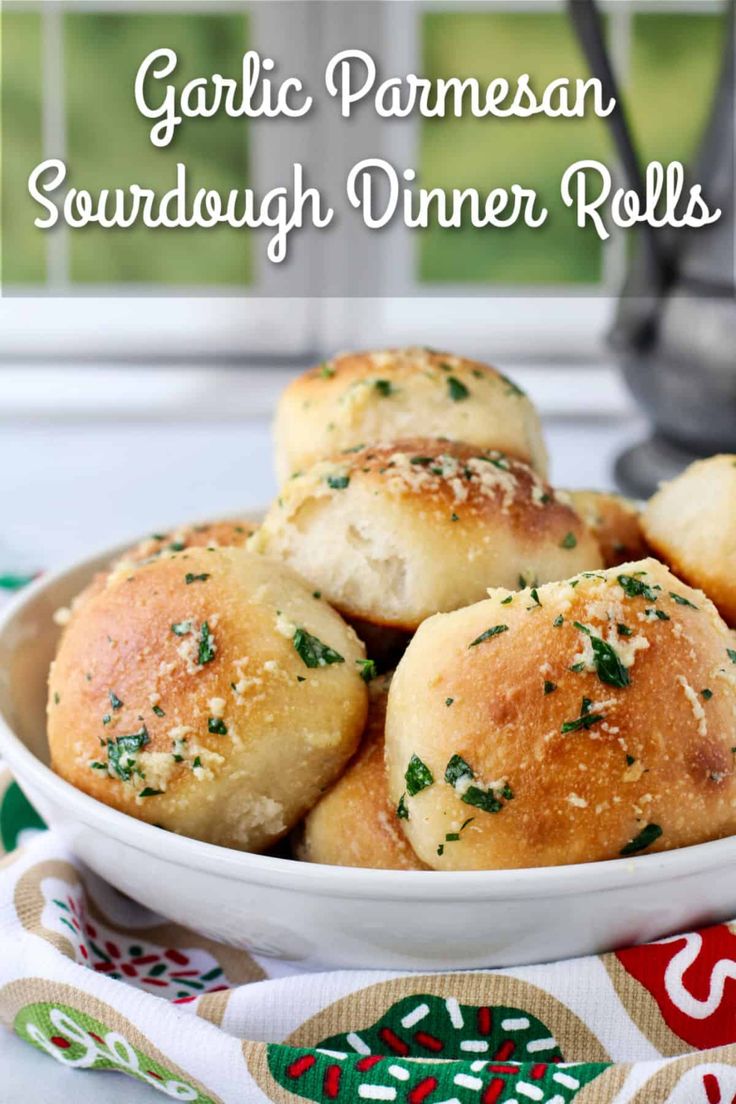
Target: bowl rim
x,y
532,883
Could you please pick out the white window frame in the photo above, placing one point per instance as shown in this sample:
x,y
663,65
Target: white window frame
x,y
131,323
134,321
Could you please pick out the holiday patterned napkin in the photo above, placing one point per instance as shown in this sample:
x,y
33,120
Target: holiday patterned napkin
x,y
98,982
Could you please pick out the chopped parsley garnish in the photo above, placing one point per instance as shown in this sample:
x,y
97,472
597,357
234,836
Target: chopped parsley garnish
x,y
499,461
326,371
121,751
316,593
486,799
535,598
731,653
656,614
454,517
682,601
577,668
507,601
642,840
115,701
624,630
635,588
558,621
217,726
177,546
418,776
421,461
586,720
190,578
569,541
401,810
608,665
449,701
338,482
707,694
57,699
453,837
197,763
457,770
384,388
368,670
107,718
630,760
313,652
549,687
496,630
456,389
96,765
181,628
148,791
158,711
207,646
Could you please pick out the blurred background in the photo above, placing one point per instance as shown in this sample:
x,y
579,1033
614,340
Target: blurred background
x,y
139,368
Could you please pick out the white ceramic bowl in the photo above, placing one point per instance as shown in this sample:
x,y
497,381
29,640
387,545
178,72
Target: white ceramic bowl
x,y
338,916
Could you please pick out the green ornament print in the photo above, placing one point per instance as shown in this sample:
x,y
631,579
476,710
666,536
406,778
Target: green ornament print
x,y
496,1055
78,1040
16,815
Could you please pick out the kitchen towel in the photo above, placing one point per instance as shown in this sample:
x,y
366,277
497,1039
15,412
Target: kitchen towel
x,y
98,982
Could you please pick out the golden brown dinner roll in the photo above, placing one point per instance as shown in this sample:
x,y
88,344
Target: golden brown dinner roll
x,y
392,533
211,534
367,398
355,824
226,533
208,692
691,524
576,721
614,522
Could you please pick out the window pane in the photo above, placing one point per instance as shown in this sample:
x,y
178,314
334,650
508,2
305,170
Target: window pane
x,y
108,140
674,67
23,247
488,153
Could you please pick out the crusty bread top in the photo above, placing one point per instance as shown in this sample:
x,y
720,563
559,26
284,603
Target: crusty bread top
x,y
194,658
368,397
451,479
584,711
392,533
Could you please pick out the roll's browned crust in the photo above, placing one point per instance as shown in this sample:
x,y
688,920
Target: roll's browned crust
x,y
691,524
226,533
374,397
354,824
208,692
615,524
393,533
586,720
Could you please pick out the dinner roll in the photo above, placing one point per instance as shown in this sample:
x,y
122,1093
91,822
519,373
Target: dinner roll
x,y
573,722
207,692
354,824
393,533
211,534
614,522
366,398
691,524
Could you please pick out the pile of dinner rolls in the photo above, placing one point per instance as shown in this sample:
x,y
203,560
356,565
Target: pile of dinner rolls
x,y
424,656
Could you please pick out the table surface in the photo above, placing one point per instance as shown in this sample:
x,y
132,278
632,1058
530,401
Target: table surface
x,y
75,485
